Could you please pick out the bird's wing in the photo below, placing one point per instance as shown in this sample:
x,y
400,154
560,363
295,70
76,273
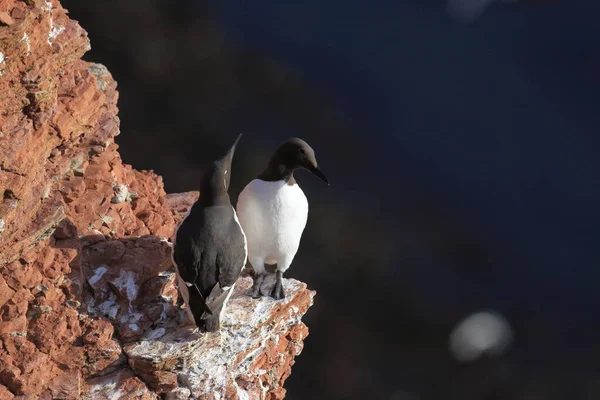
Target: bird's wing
x,y
229,266
190,256
187,251
188,259
220,292
231,263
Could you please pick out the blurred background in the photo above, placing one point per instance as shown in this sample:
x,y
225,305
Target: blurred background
x,y
455,253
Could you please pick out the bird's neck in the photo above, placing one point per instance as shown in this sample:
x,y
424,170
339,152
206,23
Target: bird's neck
x,y
278,171
210,197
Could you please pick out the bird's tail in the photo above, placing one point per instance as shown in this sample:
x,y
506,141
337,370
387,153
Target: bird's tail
x,y
192,300
208,313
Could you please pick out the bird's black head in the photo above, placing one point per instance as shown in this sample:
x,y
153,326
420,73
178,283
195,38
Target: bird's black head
x,y
293,153
215,181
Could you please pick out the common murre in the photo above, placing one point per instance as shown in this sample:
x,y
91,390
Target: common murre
x,y
209,248
273,212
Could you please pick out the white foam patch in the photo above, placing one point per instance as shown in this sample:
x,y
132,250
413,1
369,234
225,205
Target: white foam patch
x,y
179,393
98,274
155,334
126,280
91,307
242,394
25,39
163,313
55,31
130,318
110,306
168,299
121,193
106,389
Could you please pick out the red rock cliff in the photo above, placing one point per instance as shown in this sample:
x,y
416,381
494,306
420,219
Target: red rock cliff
x,y
88,305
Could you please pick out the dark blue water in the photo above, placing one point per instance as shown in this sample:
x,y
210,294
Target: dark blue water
x,y
497,119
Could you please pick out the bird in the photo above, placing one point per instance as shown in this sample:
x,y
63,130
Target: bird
x,y
209,248
273,212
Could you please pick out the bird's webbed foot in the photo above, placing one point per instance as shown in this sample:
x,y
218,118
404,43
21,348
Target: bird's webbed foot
x,y
255,291
277,292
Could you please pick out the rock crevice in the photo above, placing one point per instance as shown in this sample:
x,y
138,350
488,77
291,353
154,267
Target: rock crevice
x,y
88,303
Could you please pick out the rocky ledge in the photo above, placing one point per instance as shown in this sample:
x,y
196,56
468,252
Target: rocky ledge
x,y
88,303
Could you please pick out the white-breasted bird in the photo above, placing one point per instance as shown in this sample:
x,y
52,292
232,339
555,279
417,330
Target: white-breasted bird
x,y
273,212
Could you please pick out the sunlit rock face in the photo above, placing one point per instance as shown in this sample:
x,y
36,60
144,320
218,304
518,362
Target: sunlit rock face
x,y
89,307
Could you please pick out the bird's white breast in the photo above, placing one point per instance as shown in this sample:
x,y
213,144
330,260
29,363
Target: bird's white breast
x,y
273,216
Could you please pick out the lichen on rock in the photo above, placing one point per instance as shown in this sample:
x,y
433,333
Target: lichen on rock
x,y
213,364
89,307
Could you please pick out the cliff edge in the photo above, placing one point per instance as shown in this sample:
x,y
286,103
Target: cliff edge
x,y
88,303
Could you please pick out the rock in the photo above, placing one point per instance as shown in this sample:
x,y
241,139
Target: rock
x,y
121,194
122,384
89,307
180,203
66,386
5,292
256,346
23,369
178,394
5,18
5,394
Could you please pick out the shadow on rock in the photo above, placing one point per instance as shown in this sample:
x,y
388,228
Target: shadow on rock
x,y
132,282
133,322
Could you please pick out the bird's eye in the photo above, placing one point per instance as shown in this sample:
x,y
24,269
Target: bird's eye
x,y
301,150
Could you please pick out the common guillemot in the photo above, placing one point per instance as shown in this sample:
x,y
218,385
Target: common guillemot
x,y
210,248
273,212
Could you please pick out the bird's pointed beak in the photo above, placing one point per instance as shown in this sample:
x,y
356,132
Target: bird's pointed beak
x,y
231,150
226,161
316,171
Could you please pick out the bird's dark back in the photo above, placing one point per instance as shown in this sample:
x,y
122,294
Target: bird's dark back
x,y
208,237
206,223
